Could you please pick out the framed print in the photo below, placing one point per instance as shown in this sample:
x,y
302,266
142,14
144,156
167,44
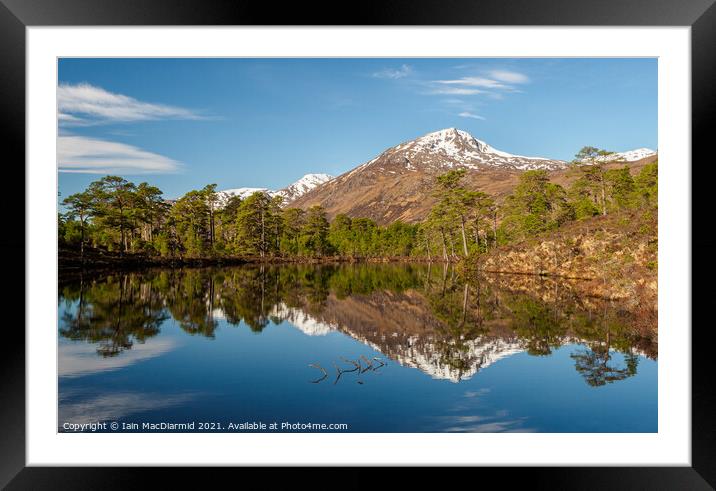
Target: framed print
x,y
426,239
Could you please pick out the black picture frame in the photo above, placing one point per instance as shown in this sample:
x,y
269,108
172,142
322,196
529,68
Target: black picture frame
x,y
700,15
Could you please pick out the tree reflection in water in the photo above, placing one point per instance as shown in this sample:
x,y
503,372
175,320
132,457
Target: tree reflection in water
x,y
114,312
419,315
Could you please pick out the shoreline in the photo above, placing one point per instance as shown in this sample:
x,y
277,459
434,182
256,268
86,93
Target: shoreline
x,y
110,263
69,262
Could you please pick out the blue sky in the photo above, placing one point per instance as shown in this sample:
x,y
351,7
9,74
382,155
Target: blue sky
x,y
183,123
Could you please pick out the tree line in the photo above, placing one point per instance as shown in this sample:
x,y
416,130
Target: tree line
x,y
121,216
464,221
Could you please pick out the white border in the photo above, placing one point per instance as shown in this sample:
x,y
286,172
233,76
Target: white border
x,y
670,446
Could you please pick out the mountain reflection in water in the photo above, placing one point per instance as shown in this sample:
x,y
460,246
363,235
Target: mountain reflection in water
x,y
377,347
420,316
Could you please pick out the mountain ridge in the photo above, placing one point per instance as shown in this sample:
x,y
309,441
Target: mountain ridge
x,y
289,193
398,183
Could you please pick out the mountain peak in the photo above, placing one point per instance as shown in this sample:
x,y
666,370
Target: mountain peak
x,y
447,133
450,131
452,147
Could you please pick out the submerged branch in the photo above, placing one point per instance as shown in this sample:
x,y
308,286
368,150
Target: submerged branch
x,y
370,364
339,372
356,365
325,373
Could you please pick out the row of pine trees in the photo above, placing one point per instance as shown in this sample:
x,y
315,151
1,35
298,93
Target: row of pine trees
x,y
118,215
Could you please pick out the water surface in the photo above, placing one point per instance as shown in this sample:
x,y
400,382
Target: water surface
x,y
377,348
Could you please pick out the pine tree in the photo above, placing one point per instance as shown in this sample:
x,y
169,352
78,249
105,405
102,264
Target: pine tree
x,y
253,225
212,200
190,215
80,206
341,236
620,188
149,211
591,162
315,231
535,205
293,222
456,200
647,185
482,214
113,199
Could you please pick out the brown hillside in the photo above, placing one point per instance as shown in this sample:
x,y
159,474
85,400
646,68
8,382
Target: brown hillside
x,y
392,192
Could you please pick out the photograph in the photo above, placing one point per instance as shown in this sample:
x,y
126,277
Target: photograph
x,y
412,236
357,245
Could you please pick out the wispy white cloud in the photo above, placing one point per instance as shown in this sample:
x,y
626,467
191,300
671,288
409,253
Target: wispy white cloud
x,y
456,91
509,76
467,114
68,118
486,83
492,84
85,155
85,104
394,73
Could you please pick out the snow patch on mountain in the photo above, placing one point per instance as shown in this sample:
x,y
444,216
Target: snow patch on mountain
x,y
243,193
454,148
629,156
302,186
463,147
289,193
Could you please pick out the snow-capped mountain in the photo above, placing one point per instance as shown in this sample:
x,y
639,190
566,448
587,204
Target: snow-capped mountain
x,y
451,147
289,193
302,186
398,184
629,156
243,192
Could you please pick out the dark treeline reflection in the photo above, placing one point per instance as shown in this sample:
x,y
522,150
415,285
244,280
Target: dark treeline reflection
x,y
423,316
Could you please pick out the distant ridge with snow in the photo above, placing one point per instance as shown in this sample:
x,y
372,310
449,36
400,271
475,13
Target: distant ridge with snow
x,y
302,186
289,193
629,156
